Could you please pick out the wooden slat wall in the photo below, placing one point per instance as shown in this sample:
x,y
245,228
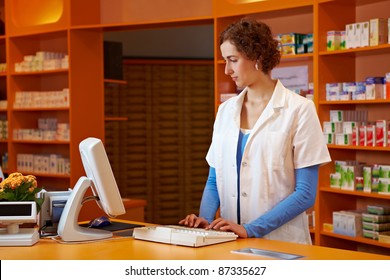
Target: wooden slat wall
x,y
159,153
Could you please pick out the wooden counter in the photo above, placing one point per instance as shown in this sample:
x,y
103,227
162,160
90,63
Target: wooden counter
x,y
127,248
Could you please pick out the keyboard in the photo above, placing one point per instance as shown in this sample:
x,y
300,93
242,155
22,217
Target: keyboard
x,y
181,235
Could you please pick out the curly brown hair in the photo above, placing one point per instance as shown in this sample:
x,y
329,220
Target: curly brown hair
x,y
253,39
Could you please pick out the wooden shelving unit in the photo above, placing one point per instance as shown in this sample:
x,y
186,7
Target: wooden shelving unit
x,y
345,66
319,17
34,26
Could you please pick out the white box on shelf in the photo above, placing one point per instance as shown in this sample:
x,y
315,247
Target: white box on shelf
x,y
365,34
378,31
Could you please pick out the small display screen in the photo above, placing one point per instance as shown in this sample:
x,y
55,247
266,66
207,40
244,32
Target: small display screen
x,y
15,210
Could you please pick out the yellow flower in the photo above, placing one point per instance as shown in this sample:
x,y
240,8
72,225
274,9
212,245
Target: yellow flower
x,y
20,188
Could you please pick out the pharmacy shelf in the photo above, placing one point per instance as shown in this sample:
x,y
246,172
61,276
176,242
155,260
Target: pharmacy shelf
x,y
359,148
373,49
361,240
355,193
324,67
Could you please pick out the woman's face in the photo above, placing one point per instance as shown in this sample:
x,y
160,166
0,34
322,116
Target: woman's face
x,y
238,67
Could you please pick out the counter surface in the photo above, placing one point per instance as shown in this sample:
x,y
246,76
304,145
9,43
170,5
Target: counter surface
x,y
127,248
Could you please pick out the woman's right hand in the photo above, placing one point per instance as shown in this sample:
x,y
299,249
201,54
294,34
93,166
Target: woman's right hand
x,y
194,221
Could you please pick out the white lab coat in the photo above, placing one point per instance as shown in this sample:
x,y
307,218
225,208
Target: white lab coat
x,y
286,136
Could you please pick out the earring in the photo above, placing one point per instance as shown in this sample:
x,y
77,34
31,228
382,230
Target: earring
x,y
257,66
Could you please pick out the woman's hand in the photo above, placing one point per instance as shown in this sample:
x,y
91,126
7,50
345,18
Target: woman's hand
x,y
194,221
225,225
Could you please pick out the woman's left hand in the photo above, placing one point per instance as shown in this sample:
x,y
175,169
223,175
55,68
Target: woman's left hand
x,y
225,225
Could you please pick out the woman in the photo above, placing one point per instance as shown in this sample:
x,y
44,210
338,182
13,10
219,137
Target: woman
x,y
266,148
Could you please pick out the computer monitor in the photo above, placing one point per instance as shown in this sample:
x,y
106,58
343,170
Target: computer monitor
x,y
100,178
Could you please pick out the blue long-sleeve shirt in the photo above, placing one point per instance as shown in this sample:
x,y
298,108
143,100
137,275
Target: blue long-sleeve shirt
x,y
300,200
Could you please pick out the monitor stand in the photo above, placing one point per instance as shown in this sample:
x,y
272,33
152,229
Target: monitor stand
x,y
24,237
68,228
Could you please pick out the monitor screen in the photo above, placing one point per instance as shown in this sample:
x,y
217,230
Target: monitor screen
x,y
100,178
98,170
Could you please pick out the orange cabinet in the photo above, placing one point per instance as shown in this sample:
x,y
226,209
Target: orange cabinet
x,y
75,28
324,67
54,74
350,65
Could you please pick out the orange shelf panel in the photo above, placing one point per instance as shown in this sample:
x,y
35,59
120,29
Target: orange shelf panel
x,y
91,14
357,239
380,48
224,8
36,16
362,148
119,82
355,193
116,119
139,11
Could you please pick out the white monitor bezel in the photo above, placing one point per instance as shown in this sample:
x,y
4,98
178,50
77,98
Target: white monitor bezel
x,y
101,180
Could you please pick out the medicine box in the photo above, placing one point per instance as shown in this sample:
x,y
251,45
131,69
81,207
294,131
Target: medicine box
x,y
360,92
376,226
367,178
333,91
362,134
338,165
384,237
350,36
384,171
329,138
348,177
333,40
349,126
381,133
358,34
374,218
378,209
359,183
327,127
332,127
374,184
336,115
291,38
384,185
342,40
378,31
288,49
307,38
300,48
365,34
370,234
370,88
370,135
347,223
309,47
345,95
335,180
355,136
343,139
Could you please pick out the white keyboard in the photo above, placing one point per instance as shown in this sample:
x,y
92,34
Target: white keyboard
x,y
180,235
